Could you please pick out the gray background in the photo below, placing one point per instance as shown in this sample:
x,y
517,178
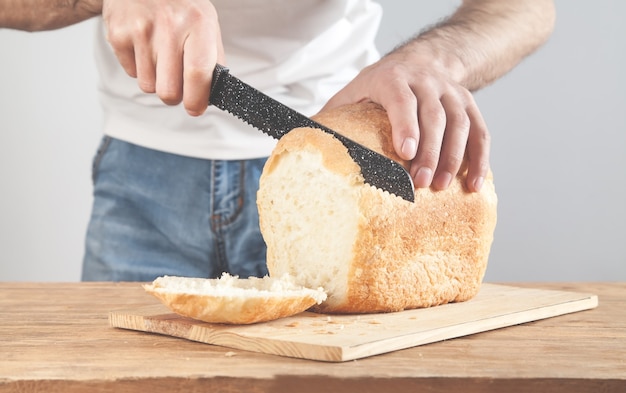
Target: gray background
x,y
558,125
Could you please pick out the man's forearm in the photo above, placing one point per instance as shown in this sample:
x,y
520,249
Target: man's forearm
x,y
38,15
483,40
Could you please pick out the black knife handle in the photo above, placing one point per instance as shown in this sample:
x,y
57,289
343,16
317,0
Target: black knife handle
x,y
217,80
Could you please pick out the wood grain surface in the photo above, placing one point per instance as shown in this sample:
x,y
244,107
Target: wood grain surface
x,y
56,337
338,338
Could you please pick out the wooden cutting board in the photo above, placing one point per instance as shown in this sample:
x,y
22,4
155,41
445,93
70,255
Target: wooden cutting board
x,y
338,338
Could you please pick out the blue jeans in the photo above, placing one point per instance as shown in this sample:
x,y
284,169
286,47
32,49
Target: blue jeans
x,y
156,213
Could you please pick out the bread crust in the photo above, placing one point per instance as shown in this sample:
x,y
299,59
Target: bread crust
x,y
405,255
246,306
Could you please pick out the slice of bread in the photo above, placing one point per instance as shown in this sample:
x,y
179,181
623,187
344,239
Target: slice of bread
x,y
232,300
369,250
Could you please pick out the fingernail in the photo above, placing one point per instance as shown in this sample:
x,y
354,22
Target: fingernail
x,y
409,148
442,181
423,177
478,183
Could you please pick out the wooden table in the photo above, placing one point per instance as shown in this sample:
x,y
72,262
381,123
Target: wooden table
x,y
56,338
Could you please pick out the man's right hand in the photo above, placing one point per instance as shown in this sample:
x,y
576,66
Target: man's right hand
x,y
171,47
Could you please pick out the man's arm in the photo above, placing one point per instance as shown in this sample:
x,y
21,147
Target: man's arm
x,y
165,44
425,84
39,15
484,39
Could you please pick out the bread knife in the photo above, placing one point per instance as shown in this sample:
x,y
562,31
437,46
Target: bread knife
x,y
230,94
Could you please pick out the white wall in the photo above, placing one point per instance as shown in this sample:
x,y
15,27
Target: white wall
x,y
558,124
49,129
559,152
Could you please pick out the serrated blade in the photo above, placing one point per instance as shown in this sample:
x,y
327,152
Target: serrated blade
x,y
230,94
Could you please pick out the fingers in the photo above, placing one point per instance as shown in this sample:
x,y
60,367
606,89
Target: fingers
x,y
169,69
432,121
405,135
198,70
454,141
478,147
386,86
122,44
196,79
170,47
131,41
446,129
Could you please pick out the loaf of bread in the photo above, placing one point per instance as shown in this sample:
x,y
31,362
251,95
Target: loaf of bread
x,y
232,300
369,250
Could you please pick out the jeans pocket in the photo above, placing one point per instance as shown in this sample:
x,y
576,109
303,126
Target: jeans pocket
x,y
95,165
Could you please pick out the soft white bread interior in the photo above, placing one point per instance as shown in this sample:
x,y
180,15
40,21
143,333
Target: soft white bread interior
x,y
232,300
369,250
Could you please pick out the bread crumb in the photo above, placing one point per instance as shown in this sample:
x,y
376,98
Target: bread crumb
x,y
293,324
324,332
374,322
230,354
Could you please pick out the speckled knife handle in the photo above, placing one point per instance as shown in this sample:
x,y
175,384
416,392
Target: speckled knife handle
x,y
230,94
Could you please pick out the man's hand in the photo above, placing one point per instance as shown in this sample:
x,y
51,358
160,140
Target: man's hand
x,y
425,85
433,119
171,47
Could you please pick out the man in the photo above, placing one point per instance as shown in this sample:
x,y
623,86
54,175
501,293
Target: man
x,y
174,192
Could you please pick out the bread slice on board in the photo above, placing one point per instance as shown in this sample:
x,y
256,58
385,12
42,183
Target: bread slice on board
x,y
232,300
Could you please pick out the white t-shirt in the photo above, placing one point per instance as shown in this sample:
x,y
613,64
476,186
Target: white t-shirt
x,y
299,52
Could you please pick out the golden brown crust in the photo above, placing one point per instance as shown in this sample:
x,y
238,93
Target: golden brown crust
x,y
435,251
232,310
405,255
335,157
362,123
248,301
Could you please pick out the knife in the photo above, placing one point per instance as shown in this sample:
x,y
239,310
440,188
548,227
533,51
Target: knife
x,y
230,94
